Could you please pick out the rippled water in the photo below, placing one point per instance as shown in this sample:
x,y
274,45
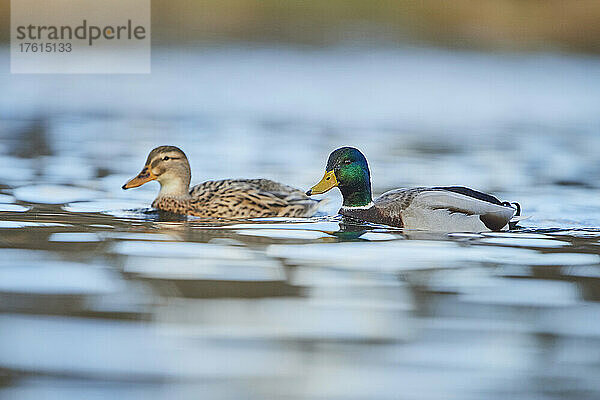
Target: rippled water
x,y
102,298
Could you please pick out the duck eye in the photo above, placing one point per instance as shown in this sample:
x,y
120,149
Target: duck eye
x,y
166,158
347,162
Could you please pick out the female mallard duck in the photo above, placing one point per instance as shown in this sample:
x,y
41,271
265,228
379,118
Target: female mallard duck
x,y
228,198
446,209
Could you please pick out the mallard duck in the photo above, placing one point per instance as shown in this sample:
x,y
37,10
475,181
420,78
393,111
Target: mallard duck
x,y
446,209
228,198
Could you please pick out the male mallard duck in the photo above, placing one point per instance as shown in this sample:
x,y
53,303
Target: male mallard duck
x,y
228,198
446,209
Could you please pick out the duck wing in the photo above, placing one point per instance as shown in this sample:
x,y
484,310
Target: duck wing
x,y
453,208
250,198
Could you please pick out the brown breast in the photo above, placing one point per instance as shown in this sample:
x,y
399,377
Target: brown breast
x,y
372,214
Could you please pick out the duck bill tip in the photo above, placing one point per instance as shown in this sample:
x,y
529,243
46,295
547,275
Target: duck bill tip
x,y
143,177
326,183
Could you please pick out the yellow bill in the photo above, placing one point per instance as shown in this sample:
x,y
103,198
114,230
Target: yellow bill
x,y
145,176
327,183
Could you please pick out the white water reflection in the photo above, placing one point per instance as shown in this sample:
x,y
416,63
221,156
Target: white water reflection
x,y
57,278
13,208
53,194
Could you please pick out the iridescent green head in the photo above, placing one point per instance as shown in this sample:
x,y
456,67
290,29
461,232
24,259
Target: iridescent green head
x,y
347,168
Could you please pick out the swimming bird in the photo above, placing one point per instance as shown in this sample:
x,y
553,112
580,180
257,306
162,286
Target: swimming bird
x,y
228,198
445,209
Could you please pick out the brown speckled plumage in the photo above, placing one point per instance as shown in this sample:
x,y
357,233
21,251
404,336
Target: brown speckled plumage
x,y
241,198
229,198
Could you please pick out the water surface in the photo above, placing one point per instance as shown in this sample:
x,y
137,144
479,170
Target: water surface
x,y
100,297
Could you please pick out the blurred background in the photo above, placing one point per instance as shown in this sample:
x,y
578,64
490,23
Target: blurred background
x,y
487,24
100,298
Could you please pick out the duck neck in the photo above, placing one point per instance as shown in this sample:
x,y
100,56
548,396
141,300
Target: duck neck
x,y
174,186
357,194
